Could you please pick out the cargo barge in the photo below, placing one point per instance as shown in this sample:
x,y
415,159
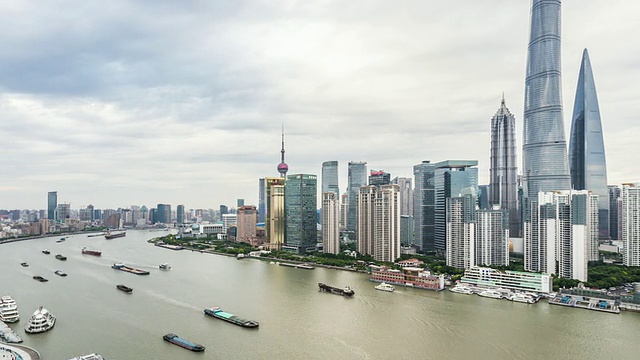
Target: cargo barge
x,y
123,267
217,313
346,291
177,340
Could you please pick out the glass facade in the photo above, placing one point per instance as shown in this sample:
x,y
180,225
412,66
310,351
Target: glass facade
x,y
300,205
424,203
357,178
545,165
586,145
330,177
52,203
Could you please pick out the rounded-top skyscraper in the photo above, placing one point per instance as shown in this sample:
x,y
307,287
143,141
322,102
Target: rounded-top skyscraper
x,y
282,167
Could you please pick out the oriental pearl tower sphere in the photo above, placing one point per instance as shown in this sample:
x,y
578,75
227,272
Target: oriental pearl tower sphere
x,y
282,167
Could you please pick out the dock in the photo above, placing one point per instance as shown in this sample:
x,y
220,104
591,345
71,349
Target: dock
x,y
7,334
580,302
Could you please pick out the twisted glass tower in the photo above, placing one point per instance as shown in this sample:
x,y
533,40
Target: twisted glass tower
x,y
544,150
586,145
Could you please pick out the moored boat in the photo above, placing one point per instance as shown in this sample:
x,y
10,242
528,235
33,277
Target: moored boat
x,y
93,356
86,251
8,309
385,287
461,289
40,278
61,257
491,293
123,267
60,273
41,321
177,340
346,291
523,298
218,313
124,288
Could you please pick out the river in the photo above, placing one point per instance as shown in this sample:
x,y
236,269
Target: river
x,y
296,321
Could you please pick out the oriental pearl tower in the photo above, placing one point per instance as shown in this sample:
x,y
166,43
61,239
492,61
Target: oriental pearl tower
x,y
282,167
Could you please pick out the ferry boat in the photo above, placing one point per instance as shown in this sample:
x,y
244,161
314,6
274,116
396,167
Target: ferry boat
x,y
110,235
461,289
40,278
177,340
218,313
46,252
123,267
8,309
346,291
60,273
124,288
86,251
93,356
385,287
24,264
164,266
523,298
41,321
61,257
491,293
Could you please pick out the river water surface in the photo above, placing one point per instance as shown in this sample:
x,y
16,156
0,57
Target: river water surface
x,y
296,321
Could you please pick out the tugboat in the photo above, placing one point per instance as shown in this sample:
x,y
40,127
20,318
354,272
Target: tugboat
x,y
218,313
60,273
41,321
61,257
177,340
346,291
40,278
124,288
85,251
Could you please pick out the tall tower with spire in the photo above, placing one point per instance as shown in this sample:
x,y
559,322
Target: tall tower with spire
x,y
586,146
282,167
503,171
544,150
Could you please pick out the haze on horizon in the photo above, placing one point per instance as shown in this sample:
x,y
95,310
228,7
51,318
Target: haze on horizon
x,y
138,103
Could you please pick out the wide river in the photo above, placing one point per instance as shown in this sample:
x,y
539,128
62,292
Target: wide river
x,y
296,321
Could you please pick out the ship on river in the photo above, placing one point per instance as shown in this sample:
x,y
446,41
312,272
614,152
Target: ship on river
x,y
110,235
86,251
346,291
177,340
218,313
123,267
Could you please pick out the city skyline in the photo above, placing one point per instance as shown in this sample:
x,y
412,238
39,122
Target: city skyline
x,y
154,114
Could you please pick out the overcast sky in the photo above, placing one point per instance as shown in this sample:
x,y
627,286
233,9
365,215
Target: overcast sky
x,y
122,103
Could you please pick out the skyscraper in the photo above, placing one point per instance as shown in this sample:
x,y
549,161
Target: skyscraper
x,y
330,223
301,198
406,195
246,220
544,150
630,225
330,177
503,171
357,177
164,213
52,203
179,214
614,198
424,205
379,221
274,212
586,144
460,225
492,237
262,199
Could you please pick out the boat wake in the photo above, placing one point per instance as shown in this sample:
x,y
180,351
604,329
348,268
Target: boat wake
x,y
171,301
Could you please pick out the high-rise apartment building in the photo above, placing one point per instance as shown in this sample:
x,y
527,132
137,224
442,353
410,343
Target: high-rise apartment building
x,y
424,205
344,210
630,225
587,159
52,203
544,151
247,218
460,229
274,212
562,229
330,177
301,200
379,222
492,237
503,171
330,223
357,177
406,195
614,200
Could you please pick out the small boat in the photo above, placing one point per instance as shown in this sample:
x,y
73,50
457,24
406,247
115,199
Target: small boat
x,y
93,356
461,289
177,340
346,291
60,273
124,288
240,256
385,287
86,251
164,266
218,313
61,257
41,321
24,264
62,239
523,298
45,251
490,293
40,278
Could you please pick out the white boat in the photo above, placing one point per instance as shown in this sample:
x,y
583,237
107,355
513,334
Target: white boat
x,y
93,356
461,289
8,310
165,266
60,273
41,321
385,287
523,298
491,293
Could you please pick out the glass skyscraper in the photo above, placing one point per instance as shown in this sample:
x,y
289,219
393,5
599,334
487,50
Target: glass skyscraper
x,y
586,145
424,206
300,205
544,151
357,178
503,171
330,177
52,203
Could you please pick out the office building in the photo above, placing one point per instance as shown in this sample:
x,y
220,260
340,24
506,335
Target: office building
x,y
424,205
63,212
615,202
503,171
344,210
52,203
247,219
164,214
407,227
330,223
228,220
274,212
239,203
330,177
180,215
262,200
357,177
630,225
587,159
378,232
300,204
406,195
544,151
512,280
379,177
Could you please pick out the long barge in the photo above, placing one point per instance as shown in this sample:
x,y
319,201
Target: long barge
x,y
184,343
347,291
110,235
297,266
218,313
123,267
86,251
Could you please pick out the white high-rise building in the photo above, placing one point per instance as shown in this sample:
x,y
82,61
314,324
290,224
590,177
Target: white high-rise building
x,y
379,222
460,232
562,228
330,223
630,217
492,237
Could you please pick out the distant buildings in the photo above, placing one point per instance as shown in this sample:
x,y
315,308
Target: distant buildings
x,y
406,195
586,147
330,223
357,177
164,214
52,203
300,198
631,225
